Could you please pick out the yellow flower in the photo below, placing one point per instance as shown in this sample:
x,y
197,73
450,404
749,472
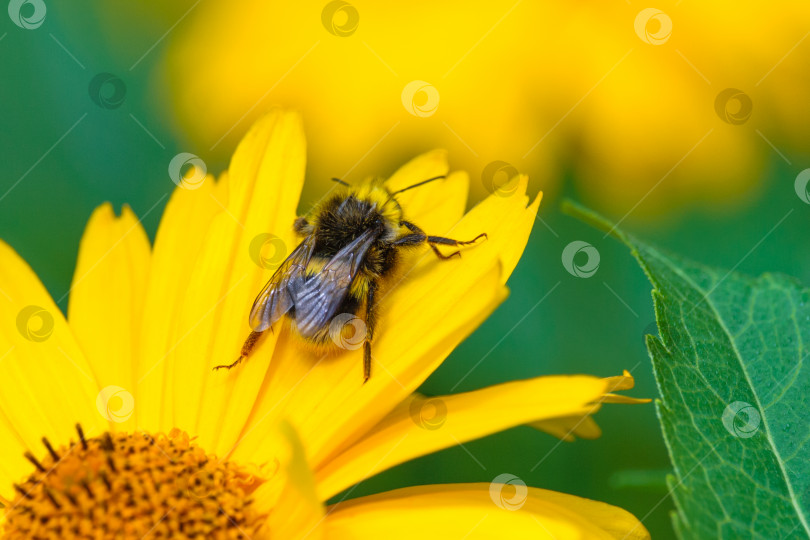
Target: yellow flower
x,y
142,437
631,101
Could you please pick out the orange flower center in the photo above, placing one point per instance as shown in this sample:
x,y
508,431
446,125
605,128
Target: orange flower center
x,y
130,485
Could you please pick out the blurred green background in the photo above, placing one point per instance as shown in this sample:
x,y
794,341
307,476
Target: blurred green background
x,y
63,155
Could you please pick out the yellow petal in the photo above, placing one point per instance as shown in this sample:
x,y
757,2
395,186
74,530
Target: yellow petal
x,y
425,313
264,183
179,240
580,423
13,466
514,251
289,497
105,307
47,384
443,204
624,381
422,425
568,427
479,511
435,206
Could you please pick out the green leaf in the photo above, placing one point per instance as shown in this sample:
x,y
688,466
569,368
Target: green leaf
x,y
733,370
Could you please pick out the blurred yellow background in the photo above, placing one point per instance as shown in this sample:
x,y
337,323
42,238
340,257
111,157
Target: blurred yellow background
x,y
619,95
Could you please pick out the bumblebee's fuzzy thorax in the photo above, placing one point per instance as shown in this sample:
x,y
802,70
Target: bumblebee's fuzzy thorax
x,y
345,215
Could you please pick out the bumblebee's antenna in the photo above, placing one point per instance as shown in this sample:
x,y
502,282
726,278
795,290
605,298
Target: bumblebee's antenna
x,y
422,183
339,181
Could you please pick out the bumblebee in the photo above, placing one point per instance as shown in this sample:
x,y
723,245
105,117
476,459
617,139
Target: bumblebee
x,y
350,246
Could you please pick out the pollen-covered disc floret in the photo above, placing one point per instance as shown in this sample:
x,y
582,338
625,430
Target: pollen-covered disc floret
x,y
128,485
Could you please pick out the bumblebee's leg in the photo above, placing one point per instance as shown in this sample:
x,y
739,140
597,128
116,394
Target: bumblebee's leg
x,y
451,242
417,237
411,239
433,240
371,321
413,228
247,346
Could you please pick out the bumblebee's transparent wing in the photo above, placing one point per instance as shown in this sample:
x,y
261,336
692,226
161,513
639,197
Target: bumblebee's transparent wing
x,y
276,298
320,297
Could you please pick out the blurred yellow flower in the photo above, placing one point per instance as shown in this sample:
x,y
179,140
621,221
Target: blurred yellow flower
x,y
115,391
630,100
